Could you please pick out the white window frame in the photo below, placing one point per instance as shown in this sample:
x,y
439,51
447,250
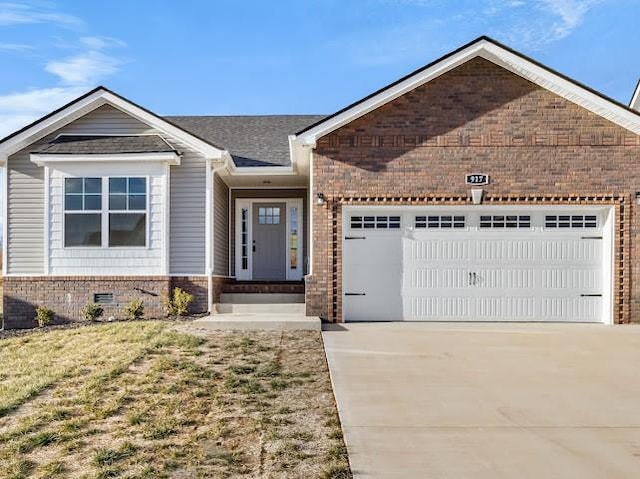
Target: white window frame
x,y
105,211
294,274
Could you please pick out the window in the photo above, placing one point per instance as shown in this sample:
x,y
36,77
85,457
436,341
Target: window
x,y
244,242
293,238
123,219
570,221
440,222
375,222
497,221
82,212
127,196
269,216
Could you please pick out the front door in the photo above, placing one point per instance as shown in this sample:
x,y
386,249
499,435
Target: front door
x,y
269,241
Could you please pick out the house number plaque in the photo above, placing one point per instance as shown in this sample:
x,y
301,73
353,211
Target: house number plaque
x,y
477,179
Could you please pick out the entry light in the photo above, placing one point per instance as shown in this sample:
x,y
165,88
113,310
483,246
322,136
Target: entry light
x,y
638,197
320,199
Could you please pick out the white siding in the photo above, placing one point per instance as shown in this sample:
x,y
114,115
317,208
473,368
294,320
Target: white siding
x,y
106,120
25,217
108,261
188,201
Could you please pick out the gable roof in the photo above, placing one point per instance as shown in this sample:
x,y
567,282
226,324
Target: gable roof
x,y
494,52
90,101
104,145
635,99
252,141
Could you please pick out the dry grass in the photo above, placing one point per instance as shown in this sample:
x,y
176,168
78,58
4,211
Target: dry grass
x,y
141,399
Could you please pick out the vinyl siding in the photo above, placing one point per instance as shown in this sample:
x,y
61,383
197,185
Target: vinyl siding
x,y
106,120
25,217
85,261
270,193
221,227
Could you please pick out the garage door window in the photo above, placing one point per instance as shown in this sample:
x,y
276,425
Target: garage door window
x,y
570,221
498,221
375,222
436,222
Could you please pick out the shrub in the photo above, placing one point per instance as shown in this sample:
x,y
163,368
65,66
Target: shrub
x,y
178,304
43,316
135,309
91,311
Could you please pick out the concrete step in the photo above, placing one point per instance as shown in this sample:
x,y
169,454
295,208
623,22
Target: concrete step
x,y
264,322
258,308
263,287
261,298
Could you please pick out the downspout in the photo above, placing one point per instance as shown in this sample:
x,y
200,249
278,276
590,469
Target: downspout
x,y
210,181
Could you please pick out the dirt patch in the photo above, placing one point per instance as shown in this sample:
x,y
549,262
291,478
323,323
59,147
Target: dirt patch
x,y
169,400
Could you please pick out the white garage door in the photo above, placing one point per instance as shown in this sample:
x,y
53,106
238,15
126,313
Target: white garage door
x,y
476,264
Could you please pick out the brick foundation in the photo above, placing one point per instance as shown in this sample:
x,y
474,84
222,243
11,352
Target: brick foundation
x,y
67,295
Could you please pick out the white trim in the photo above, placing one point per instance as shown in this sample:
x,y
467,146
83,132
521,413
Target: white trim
x,y
261,170
89,103
247,275
166,205
104,212
5,223
208,228
498,55
47,221
42,159
635,99
310,207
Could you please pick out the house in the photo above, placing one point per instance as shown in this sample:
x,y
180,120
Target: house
x,y
483,186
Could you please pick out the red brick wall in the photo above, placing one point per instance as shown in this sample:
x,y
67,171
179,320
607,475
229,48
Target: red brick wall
x,y
476,118
66,296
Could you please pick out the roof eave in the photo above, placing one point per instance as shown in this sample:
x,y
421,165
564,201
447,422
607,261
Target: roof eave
x,y
497,53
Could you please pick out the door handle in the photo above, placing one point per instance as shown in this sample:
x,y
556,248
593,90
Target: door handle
x,y
470,278
475,279
253,246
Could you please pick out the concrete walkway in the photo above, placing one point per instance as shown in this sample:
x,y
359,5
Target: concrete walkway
x,y
472,401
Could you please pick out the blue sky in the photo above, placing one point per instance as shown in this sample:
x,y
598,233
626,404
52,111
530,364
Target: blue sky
x,y
281,56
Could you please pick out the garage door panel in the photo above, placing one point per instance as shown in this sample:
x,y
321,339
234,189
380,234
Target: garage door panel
x,y
572,250
583,279
434,308
439,250
498,308
533,271
436,279
505,250
572,309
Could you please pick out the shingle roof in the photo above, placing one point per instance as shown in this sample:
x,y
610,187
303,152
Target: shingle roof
x,y
251,140
96,145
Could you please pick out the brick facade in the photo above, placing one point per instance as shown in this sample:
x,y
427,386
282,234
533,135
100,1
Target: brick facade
x,y
66,296
537,148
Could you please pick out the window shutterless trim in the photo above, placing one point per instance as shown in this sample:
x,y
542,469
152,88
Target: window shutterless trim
x,y
105,211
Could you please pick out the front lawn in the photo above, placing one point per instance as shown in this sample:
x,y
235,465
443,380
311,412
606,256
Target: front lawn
x,y
159,399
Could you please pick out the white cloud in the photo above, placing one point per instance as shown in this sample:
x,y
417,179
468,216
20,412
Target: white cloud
x,y
570,14
102,43
84,68
19,109
15,47
23,14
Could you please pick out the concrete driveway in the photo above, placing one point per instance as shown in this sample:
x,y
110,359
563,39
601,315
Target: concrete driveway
x,y
488,400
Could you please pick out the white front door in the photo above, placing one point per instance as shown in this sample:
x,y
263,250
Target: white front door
x,y
474,264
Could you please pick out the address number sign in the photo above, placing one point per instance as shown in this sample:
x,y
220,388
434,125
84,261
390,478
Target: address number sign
x,y
477,179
